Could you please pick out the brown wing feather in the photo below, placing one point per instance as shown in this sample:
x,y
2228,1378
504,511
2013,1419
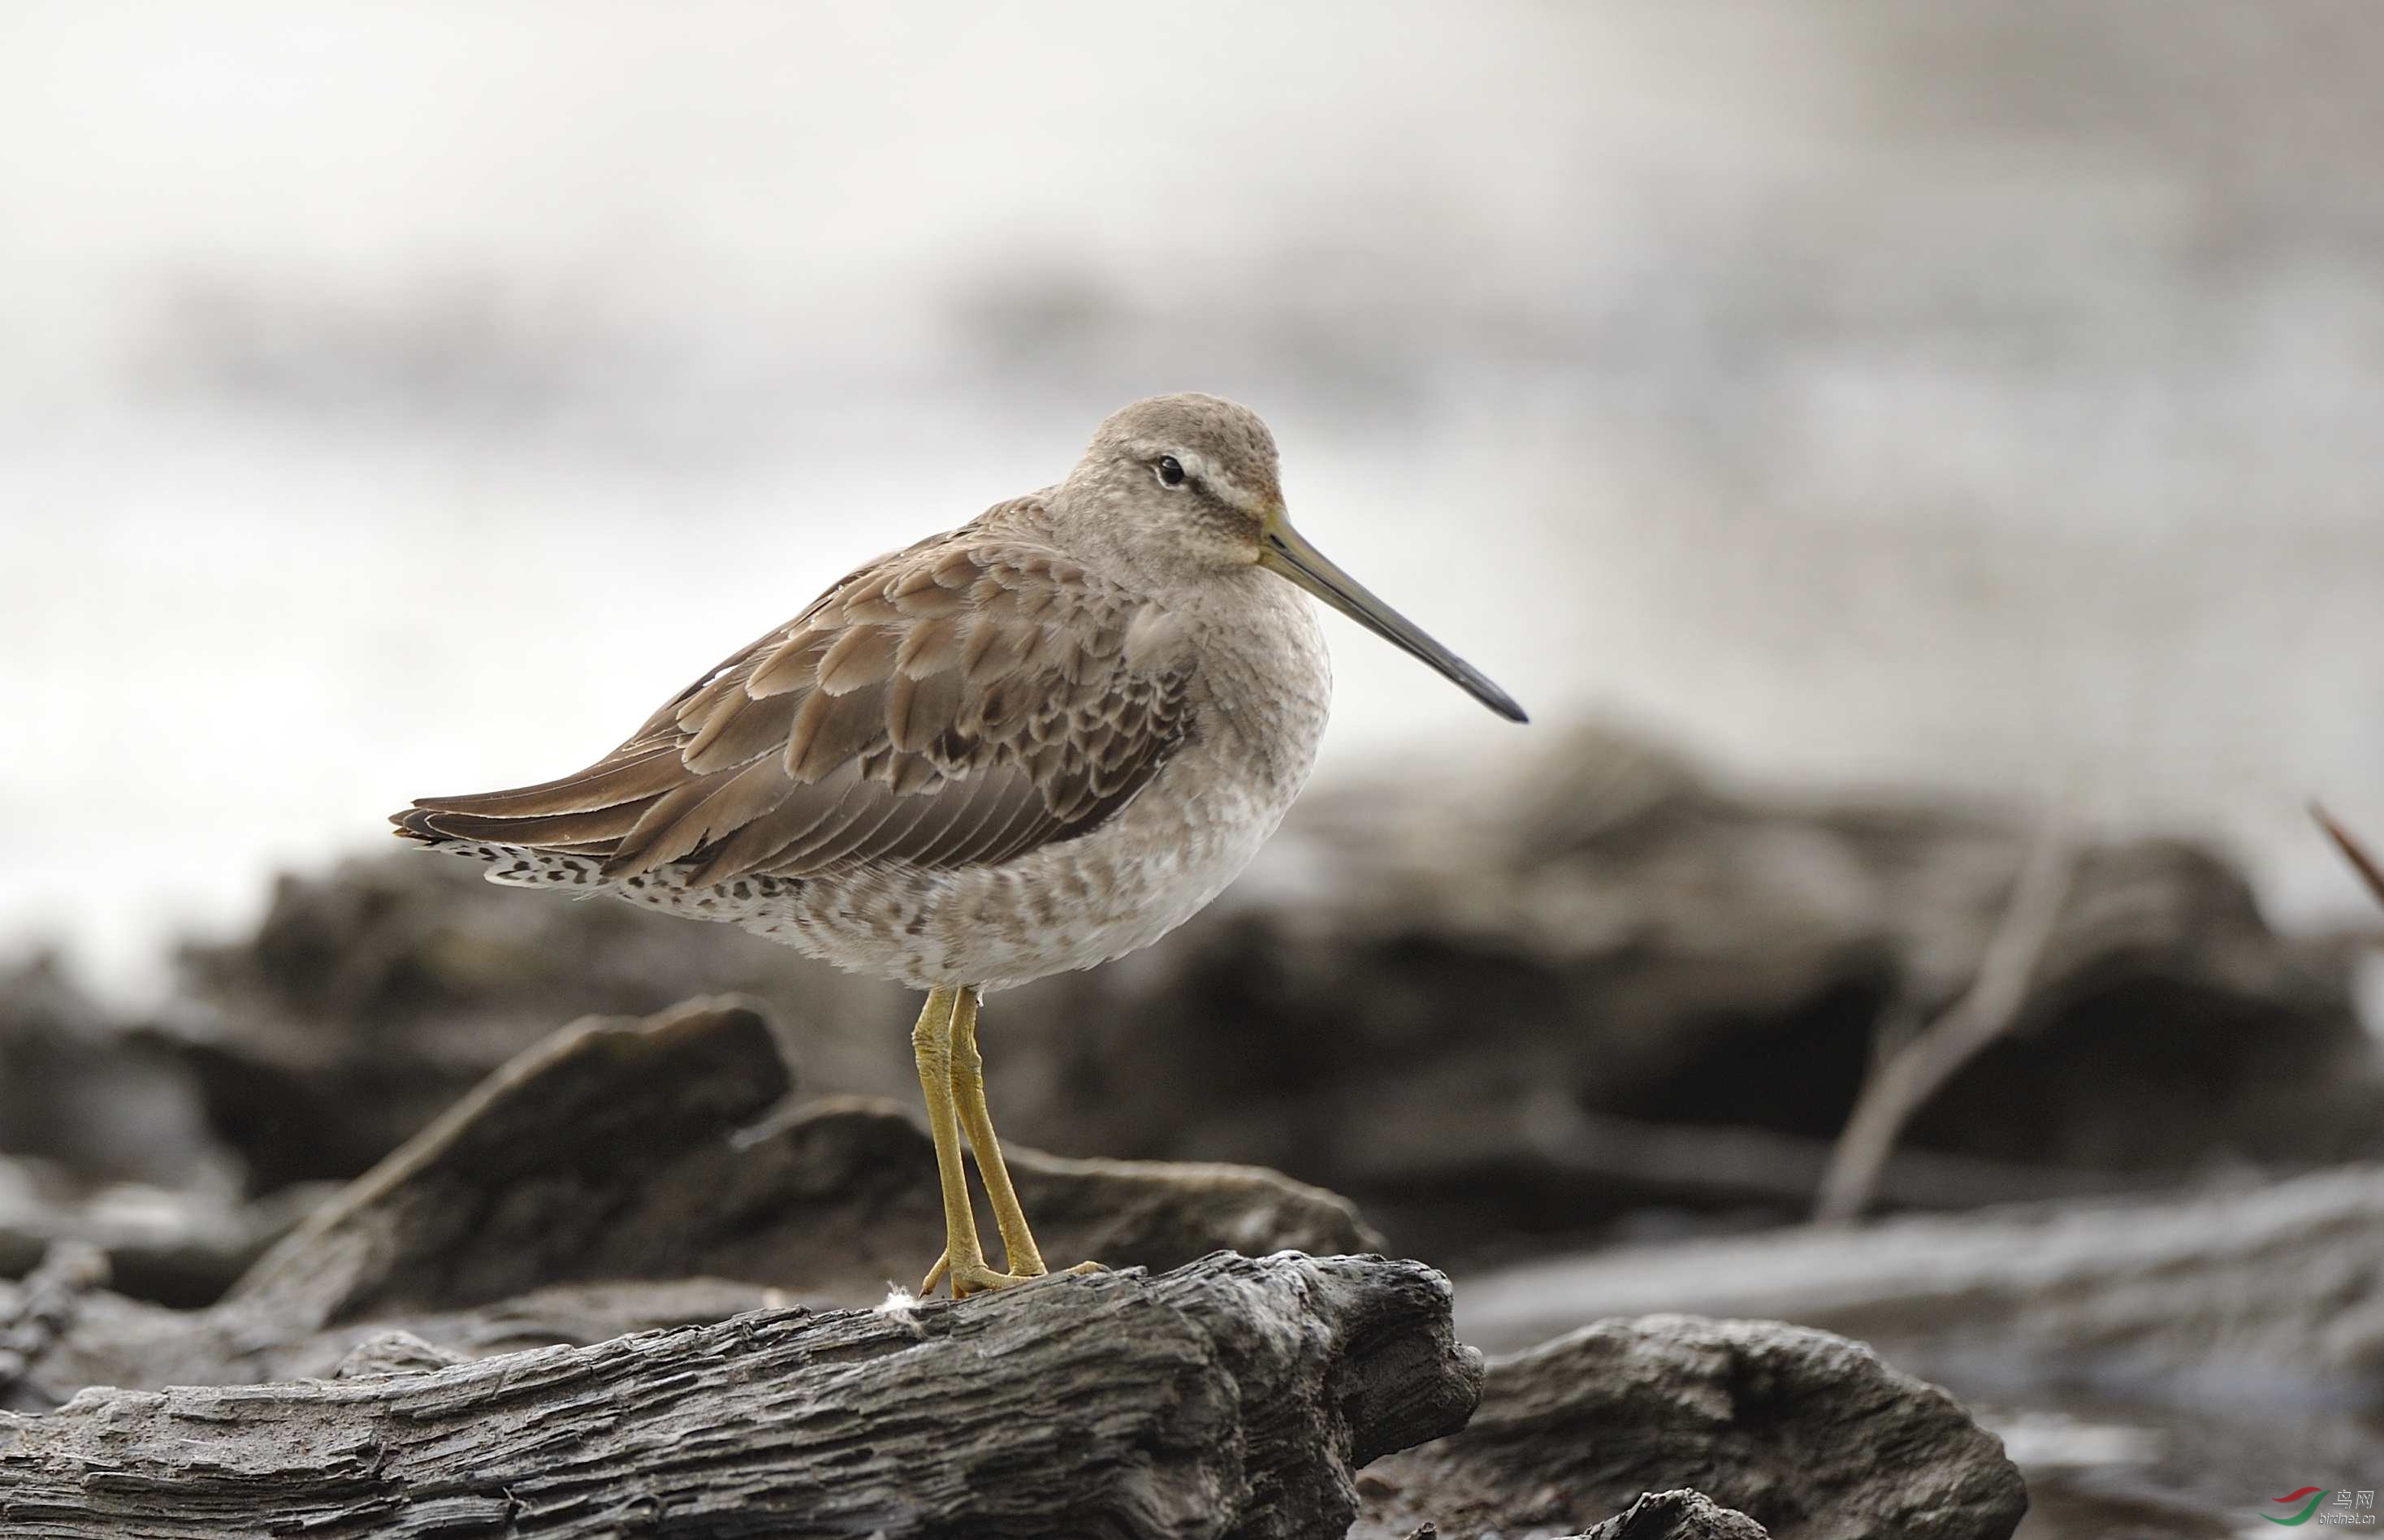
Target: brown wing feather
x,y
963,702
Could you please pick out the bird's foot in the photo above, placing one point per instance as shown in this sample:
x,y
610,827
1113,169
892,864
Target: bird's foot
x,y
976,1277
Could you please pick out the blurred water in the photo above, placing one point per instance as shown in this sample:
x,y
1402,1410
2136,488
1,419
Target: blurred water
x,y
405,398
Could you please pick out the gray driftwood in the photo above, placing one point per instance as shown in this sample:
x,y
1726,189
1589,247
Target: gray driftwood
x,y
1232,1398
1807,1434
625,1175
1679,1514
624,1149
2266,1291
181,1247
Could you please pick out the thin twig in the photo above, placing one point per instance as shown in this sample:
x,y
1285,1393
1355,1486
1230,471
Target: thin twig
x,y
2353,852
1904,1079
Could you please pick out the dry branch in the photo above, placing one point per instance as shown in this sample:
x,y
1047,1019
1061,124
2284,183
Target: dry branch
x,y
1909,1073
2353,852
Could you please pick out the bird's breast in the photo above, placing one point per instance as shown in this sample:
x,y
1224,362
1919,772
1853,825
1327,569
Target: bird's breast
x,y
1265,686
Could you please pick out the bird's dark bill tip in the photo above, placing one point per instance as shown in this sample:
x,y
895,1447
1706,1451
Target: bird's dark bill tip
x,y
1477,684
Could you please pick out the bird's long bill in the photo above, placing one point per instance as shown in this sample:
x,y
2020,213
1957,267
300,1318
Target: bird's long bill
x,y
1283,551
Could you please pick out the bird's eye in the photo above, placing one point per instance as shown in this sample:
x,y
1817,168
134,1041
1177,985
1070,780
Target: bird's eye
x,y
1170,471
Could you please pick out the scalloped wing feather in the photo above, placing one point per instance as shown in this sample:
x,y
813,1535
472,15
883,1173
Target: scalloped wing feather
x,y
960,703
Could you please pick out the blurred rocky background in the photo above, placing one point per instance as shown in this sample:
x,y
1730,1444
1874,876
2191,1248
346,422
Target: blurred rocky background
x,y
1589,1040
1917,464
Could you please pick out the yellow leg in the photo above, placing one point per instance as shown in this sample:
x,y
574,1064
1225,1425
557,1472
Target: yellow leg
x,y
963,1258
1019,1252
951,1076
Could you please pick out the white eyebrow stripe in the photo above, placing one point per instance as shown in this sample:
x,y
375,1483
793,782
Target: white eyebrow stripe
x,y
1203,467
1194,462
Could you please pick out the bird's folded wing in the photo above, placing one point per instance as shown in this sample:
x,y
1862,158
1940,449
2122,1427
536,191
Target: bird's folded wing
x,y
958,703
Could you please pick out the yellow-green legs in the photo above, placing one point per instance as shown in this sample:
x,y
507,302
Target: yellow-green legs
x,y
951,1077
968,1096
931,1045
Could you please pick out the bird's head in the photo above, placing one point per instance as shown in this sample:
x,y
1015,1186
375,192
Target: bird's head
x,y
1189,485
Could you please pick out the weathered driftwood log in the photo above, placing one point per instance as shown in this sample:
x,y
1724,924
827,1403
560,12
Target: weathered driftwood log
x,y
1231,1398
75,1334
76,1096
622,1149
616,1178
105,1145
1625,941
2267,1290
179,1247
1807,1434
1681,1514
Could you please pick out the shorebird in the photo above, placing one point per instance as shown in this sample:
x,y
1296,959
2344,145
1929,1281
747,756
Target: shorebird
x,y
1035,743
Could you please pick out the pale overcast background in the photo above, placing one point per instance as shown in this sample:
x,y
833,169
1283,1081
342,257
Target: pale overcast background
x,y
405,398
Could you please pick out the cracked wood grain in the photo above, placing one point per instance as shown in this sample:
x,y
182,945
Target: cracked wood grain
x,y
1230,1398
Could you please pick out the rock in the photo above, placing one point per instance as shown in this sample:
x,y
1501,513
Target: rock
x,y
2268,1294
1804,1433
1230,1398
